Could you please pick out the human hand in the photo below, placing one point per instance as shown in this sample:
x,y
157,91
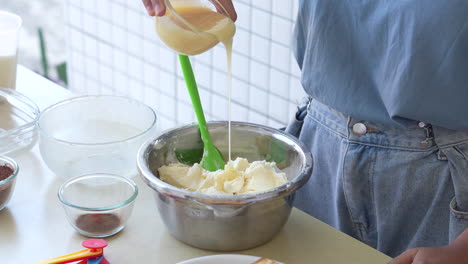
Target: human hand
x,y
158,7
455,253
443,255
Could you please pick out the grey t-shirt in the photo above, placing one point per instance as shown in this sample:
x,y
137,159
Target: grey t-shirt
x,y
388,61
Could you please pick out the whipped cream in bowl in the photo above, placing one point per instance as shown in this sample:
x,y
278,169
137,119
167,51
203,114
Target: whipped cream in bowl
x,y
238,177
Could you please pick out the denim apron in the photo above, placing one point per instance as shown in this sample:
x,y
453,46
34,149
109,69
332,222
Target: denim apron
x,y
390,187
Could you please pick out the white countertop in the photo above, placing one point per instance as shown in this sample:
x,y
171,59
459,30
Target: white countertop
x,y
33,225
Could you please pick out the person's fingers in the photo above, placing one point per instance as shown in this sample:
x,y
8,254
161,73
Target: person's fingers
x,y
229,6
149,7
406,257
159,7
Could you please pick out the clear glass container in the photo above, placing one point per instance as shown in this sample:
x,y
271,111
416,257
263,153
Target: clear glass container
x,y
7,185
191,27
98,205
10,25
94,134
18,115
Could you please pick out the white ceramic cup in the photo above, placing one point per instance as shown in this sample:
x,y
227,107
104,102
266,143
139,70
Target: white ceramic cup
x,y
10,25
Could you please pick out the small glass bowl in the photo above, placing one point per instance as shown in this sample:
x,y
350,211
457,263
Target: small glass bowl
x,y
98,205
7,185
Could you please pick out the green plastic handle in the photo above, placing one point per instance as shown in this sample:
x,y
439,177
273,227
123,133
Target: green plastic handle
x,y
212,159
194,96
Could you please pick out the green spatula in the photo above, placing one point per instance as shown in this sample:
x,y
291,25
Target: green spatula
x,y
212,159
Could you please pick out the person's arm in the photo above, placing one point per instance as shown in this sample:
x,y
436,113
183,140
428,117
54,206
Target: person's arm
x,y
158,8
455,253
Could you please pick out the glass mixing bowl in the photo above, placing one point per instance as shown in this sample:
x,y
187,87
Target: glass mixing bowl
x,y
18,116
94,134
98,205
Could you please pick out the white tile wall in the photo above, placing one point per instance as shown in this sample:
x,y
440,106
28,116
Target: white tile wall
x,y
113,49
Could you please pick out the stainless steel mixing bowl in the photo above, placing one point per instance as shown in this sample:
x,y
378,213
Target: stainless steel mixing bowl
x,y
225,222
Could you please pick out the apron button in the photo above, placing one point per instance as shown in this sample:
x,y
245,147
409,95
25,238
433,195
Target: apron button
x,y
359,129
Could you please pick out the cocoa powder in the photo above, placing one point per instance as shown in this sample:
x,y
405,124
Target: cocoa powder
x,y
100,223
5,189
5,172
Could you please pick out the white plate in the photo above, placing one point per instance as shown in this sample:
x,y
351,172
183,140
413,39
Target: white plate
x,y
225,259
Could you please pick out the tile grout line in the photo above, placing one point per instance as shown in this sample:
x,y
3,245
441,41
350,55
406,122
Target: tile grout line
x,y
81,30
269,64
180,101
176,76
125,51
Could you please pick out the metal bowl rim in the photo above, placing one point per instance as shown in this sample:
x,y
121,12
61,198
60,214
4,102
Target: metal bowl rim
x,y
167,189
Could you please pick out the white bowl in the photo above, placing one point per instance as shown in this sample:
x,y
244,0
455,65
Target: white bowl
x,y
224,258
